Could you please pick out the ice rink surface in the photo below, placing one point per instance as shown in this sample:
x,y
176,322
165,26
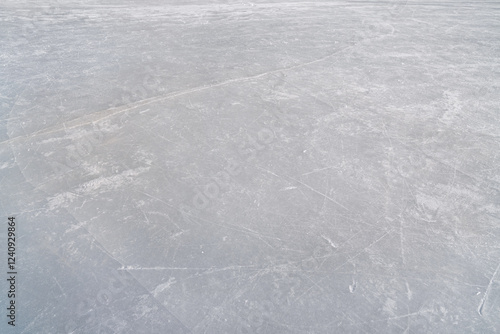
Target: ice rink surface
x,y
251,167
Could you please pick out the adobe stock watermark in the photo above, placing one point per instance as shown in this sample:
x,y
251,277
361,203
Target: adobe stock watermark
x,y
248,150
374,28
396,6
78,150
149,85
261,140
370,30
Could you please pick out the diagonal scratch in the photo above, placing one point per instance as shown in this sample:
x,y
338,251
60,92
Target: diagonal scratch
x,y
307,186
107,113
488,289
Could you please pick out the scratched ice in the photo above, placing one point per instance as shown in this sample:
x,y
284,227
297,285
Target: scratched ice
x,y
254,167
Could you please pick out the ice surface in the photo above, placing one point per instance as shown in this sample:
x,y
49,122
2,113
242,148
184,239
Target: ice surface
x,y
252,167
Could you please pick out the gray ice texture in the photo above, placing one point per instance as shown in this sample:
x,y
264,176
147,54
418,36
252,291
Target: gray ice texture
x,y
251,167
